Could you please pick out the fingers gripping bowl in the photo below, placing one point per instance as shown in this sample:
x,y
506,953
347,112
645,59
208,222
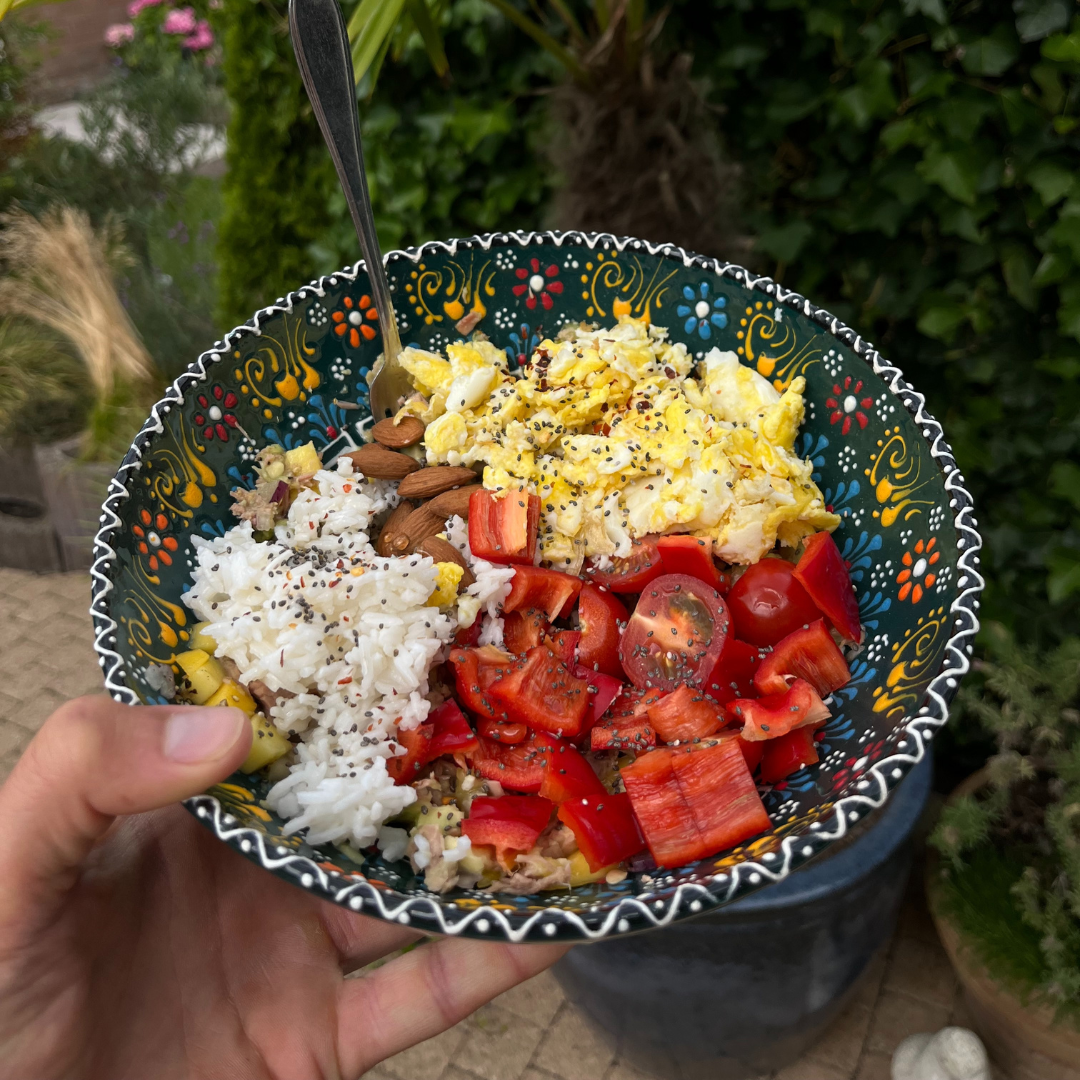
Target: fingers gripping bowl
x,y
877,474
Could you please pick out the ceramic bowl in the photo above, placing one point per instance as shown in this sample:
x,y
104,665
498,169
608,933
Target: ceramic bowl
x,y
908,535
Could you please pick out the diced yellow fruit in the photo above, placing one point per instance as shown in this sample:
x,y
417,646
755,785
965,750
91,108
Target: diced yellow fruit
x,y
192,660
580,874
446,584
200,639
267,744
303,460
205,681
232,693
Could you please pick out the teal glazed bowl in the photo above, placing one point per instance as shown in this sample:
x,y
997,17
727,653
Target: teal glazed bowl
x,y
908,535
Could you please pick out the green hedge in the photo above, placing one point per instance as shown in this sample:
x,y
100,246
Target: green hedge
x,y
441,160
909,164
913,167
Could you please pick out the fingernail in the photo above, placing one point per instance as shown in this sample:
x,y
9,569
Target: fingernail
x,y
201,734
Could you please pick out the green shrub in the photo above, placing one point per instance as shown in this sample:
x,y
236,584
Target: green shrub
x,y
1015,843
913,167
441,160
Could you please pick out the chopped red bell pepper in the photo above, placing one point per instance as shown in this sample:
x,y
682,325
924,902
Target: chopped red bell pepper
x,y
751,751
519,767
540,692
627,727
603,690
511,824
605,827
686,714
468,636
776,715
474,671
548,591
692,555
523,630
694,801
632,573
567,775
417,743
788,754
501,732
564,643
601,614
824,575
452,734
733,675
502,527
810,654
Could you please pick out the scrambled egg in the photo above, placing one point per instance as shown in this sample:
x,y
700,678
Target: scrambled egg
x,y
447,578
620,437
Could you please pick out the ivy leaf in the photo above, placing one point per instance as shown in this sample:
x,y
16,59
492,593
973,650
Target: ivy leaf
x,y
993,54
935,9
1051,181
1067,230
1065,482
1064,578
954,171
1069,309
785,241
1035,19
1052,268
1018,268
942,320
1064,48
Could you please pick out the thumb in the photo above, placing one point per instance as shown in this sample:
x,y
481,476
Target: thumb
x,y
92,760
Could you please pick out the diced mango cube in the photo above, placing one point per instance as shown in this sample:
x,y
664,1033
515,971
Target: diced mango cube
x,y
205,681
303,460
232,693
446,584
200,639
192,660
580,874
267,744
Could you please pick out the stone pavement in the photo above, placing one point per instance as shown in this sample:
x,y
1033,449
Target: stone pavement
x,y
531,1032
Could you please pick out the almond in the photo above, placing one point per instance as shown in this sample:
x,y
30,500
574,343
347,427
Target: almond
x,y
416,528
454,502
443,551
396,434
398,516
378,463
434,480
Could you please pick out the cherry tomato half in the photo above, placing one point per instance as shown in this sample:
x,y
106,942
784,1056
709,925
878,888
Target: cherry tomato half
x,y
676,634
599,614
767,603
633,573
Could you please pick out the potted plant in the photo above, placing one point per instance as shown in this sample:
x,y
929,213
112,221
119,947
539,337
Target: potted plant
x,y
99,384
1005,890
746,990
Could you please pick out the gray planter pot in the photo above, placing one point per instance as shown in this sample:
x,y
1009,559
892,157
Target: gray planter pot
x,y
747,990
74,491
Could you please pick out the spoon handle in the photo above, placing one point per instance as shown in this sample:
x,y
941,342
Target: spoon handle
x,y
321,43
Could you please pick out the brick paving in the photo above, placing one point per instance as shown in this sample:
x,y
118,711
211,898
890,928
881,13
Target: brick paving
x,y
530,1032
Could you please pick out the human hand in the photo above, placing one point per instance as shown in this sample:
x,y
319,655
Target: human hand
x,y
136,946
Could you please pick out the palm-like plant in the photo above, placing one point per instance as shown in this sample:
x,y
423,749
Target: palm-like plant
x,y
634,140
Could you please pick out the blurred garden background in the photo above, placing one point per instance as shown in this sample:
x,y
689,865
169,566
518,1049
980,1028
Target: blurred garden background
x,y
911,165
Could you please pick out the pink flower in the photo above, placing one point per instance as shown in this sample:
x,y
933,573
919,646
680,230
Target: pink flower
x,y
137,5
119,34
181,21
203,37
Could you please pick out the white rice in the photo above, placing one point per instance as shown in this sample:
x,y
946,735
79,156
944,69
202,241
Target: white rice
x,y
319,613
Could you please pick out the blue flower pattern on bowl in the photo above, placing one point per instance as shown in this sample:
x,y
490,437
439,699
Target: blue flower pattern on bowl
x,y
701,315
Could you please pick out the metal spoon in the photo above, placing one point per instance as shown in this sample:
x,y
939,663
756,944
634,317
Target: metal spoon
x,y
321,43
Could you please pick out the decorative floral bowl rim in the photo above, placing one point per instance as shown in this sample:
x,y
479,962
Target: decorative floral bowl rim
x,y
647,909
